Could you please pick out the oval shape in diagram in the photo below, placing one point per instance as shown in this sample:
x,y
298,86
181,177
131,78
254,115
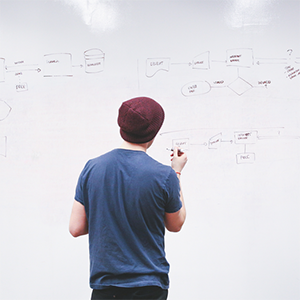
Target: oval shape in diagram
x,y
196,88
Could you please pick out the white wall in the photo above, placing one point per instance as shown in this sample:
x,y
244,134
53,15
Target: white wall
x,y
227,74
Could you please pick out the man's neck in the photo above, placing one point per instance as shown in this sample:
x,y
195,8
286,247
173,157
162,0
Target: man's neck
x,y
132,146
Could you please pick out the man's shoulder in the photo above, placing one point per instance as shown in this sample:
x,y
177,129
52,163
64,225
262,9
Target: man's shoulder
x,y
92,162
103,156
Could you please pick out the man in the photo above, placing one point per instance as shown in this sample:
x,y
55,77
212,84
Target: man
x,y
124,200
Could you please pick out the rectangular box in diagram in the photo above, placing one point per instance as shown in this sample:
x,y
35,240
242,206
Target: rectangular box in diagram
x,y
245,158
245,137
22,87
58,65
181,143
240,57
2,69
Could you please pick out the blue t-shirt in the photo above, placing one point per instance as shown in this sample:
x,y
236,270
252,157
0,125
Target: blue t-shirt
x,y
126,194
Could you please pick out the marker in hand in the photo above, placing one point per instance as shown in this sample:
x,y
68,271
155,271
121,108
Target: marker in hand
x,y
180,151
178,160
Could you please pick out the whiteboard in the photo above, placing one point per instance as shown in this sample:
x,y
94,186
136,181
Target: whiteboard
x,y
228,76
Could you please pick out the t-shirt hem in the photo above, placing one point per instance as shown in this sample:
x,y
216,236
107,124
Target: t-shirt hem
x,y
174,210
128,285
80,201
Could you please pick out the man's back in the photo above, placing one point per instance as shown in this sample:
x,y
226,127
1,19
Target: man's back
x,y
126,194
124,200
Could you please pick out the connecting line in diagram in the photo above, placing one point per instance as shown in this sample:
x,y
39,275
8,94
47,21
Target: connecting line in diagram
x,y
5,110
22,68
54,65
3,146
240,137
239,58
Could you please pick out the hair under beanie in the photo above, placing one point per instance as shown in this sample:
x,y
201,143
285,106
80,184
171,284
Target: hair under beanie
x,y
140,119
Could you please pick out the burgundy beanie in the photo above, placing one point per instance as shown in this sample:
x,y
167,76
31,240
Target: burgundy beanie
x,y
140,119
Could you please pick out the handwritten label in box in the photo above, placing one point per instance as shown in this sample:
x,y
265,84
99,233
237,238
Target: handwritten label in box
x,y
181,143
245,137
245,158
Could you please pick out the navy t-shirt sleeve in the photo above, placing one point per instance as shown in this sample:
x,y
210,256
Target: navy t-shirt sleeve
x,y
80,190
173,203
78,193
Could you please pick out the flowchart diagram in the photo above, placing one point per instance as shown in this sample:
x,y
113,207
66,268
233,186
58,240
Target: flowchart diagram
x,y
238,58
57,65
54,65
191,139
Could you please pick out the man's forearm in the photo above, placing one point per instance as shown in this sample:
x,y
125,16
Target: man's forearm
x,y
182,210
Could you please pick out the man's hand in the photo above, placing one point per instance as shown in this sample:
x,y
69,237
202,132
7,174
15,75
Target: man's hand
x,y
179,159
